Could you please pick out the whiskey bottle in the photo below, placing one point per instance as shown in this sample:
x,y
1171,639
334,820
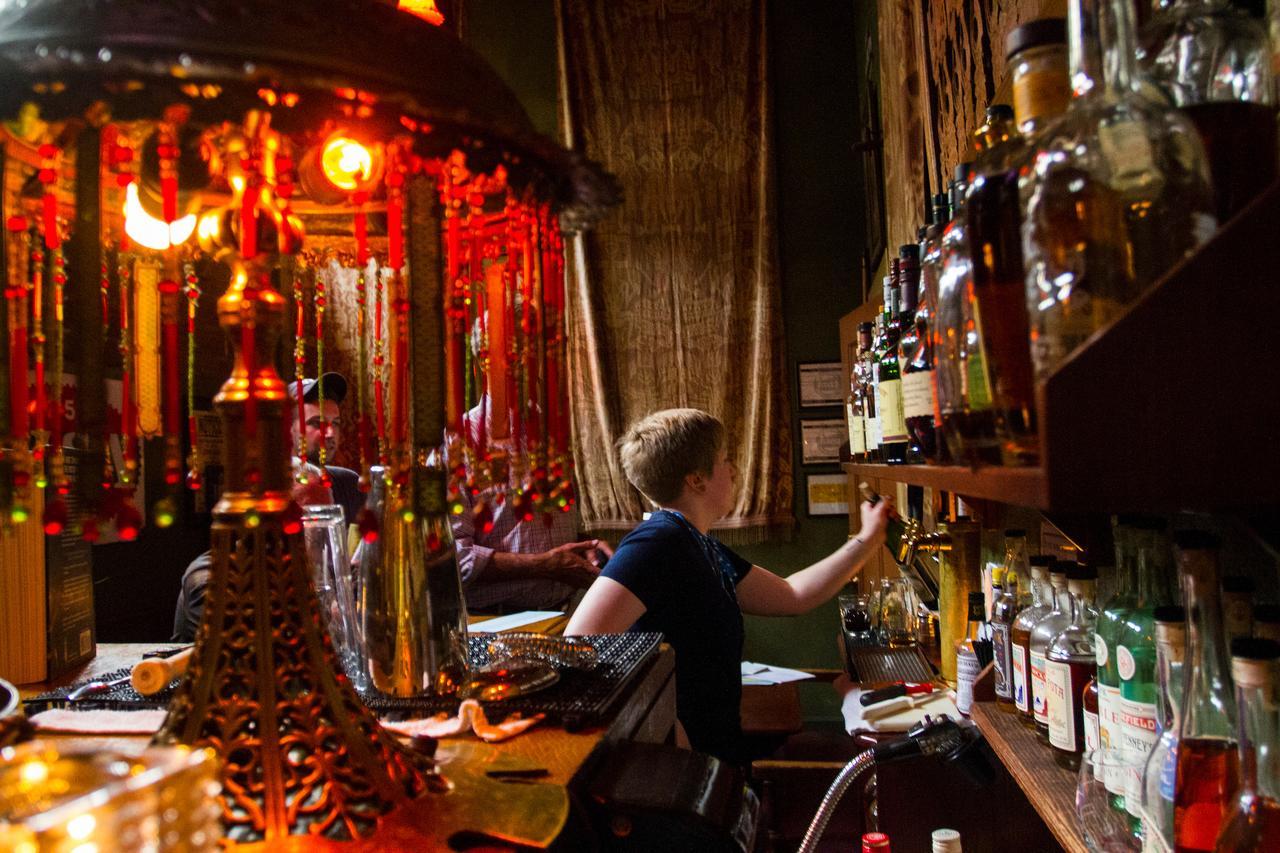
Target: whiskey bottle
x,y
928,434
1037,56
893,439
1212,60
1054,622
1004,611
1208,761
1069,664
914,359
967,664
868,336
854,416
1254,824
1118,191
1020,636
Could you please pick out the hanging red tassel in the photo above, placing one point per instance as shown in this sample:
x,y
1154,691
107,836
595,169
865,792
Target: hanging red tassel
x,y
300,371
379,359
128,419
167,153
194,479
362,360
249,207
361,228
38,349
170,292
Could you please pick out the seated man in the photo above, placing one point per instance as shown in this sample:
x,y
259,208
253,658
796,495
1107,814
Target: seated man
x,y
669,575
324,429
195,580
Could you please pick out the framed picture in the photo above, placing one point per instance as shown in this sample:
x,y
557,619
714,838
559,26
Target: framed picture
x,y
821,384
827,494
820,440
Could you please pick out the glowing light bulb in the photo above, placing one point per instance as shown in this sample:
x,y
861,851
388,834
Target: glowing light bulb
x,y
144,229
424,9
346,163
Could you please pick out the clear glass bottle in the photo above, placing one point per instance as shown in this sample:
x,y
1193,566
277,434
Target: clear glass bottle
x,y
1004,610
1117,194
869,361
914,361
1136,653
1053,624
1069,664
1037,57
1020,636
855,418
932,444
1208,761
1254,823
1212,60
967,665
955,273
893,438
1115,608
1160,769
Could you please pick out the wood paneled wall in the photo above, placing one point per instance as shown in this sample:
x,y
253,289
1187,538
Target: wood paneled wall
x,y
941,64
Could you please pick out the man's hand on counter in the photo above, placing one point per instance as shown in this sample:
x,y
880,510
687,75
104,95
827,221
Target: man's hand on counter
x,y
574,563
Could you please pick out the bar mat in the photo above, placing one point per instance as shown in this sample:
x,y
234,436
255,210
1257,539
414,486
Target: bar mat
x,y
577,700
871,664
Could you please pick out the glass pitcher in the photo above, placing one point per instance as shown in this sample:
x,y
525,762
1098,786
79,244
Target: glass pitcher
x,y
324,531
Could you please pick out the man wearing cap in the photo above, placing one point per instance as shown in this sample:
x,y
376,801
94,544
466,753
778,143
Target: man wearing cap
x,y
323,424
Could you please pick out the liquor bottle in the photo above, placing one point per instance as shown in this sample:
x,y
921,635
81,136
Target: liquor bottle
x,y
1054,622
967,665
1160,769
865,399
1117,194
1136,655
1212,60
1208,762
1069,664
1266,621
1089,701
928,434
916,365
893,439
1037,55
1254,824
875,842
1020,636
945,841
993,141
1237,605
1004,610
869,368
1110,621
854,415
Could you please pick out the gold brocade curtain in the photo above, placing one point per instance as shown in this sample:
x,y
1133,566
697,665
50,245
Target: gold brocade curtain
x,y
674,298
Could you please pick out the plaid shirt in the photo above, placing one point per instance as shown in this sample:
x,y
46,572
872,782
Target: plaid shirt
x,y
475,555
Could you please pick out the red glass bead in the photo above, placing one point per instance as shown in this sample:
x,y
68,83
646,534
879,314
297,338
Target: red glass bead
x,y
47,176
16,223
291,520
48,151
433,542
367,524
194,481
55,517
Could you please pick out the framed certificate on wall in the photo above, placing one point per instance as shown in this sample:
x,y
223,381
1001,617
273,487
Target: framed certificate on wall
x,y
821,384
827,494
820,440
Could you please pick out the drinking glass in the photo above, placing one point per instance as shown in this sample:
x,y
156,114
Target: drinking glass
x,y
898,619
324,531
1106,829
855,616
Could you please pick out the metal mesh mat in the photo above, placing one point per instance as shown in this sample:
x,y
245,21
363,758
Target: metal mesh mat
x,y
578,699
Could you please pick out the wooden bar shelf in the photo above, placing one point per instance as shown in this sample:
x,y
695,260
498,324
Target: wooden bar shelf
x,y
1171,407
1049,788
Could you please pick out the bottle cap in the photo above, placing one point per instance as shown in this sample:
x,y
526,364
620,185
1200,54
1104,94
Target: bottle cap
x,y
1238,584
945,841
1035,33
1253,661
873,841
1196,540
1015,533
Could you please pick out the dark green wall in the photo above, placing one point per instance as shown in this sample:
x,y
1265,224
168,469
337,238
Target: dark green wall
x,y
815,59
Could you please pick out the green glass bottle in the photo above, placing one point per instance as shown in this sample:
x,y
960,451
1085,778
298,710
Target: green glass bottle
x,y
1111,618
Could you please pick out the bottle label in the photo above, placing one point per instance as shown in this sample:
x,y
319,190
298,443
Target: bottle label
x,y
1037,688
967,669
1040,94
873,433
1000,656
1138,734
1061,706
893,426
1020,697
977,387
1127,150
1125,663
1109,731
1100,650
857,438
1092,737
917,394
1169,774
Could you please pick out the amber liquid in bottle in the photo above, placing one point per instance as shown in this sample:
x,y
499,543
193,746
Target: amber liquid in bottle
x,y
1020,645
1081,672
1208,771
1260,831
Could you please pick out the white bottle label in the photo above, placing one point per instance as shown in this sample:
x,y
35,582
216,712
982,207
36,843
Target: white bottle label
x,y
873,433
1092,738
967,669
1100,650
1138,734
1020,696
1037,688
1125,663
893,426
857,438
1000,655
917,394
1109,731
1061,705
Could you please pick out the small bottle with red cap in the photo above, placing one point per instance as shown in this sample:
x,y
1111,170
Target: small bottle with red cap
x,y
875,842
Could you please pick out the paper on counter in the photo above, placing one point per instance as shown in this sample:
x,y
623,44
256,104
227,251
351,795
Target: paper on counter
x,y
99,722
762,673
512,621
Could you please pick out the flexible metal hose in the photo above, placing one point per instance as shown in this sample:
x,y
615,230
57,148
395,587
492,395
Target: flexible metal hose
x,y
847,776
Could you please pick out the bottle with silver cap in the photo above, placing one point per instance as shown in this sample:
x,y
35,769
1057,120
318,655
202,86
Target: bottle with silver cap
x,y
1254,823
946,841
1053,624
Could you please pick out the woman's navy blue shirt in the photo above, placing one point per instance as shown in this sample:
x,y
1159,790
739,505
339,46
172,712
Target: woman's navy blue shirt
x,y
668,565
